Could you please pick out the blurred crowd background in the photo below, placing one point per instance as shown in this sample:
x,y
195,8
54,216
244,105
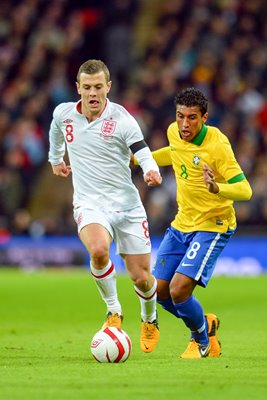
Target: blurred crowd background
x,y
153,48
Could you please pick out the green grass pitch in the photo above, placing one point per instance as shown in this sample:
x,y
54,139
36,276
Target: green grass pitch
x,y
47,320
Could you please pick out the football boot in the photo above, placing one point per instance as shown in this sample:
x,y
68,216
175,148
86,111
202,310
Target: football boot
x,y
113,319
196,350
149,335
213,325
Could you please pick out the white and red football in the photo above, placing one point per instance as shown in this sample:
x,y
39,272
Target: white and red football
x,y
111,345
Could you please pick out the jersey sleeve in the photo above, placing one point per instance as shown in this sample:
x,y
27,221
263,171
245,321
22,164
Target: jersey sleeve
x,y
236,186
225,161
162,156
57,145
235,191
132,132
146,161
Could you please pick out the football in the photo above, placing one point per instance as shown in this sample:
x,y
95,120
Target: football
x,y
111,345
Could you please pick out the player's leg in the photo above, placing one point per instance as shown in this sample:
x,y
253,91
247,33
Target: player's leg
x,y
170,252
132,239
145,285
164,297
196,268
191,312
94,232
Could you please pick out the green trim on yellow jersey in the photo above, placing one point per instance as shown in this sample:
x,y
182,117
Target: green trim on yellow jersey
x,y
237,178
198,140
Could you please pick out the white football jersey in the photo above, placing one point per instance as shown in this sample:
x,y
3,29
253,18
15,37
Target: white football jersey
x,y
99,155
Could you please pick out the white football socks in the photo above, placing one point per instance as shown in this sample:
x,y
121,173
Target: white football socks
x,y
148,301
106,283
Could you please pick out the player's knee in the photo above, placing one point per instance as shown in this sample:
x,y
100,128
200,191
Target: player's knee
x,y
163,291
179,293
99,253
142,281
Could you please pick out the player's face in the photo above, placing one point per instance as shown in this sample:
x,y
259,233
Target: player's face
x,y
190,121
93,90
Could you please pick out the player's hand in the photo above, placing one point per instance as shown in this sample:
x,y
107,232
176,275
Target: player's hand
x,y
61,169
152,178
209,179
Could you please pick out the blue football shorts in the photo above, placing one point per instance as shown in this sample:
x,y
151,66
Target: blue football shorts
x,y
192,254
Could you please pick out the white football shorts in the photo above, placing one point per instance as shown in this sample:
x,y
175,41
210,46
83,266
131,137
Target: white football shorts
x,y
129,229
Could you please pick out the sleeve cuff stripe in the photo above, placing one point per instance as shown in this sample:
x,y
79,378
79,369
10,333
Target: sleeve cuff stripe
x,y
237,178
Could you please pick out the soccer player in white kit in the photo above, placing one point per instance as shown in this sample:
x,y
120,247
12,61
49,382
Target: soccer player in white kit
x,y
100,136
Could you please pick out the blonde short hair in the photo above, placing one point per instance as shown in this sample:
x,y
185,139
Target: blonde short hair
x,y
93,67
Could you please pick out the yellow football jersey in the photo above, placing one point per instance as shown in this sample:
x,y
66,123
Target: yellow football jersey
x,y
198,209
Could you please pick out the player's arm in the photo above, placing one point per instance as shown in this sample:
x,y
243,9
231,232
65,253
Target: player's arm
x,y
57,149
144,158
161,156
237,188
235,191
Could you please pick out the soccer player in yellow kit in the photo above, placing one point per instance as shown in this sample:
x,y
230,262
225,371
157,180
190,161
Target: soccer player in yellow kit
x,y
208,180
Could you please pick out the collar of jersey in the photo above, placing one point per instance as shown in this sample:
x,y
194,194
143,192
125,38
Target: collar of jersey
x,y
77,105
198,140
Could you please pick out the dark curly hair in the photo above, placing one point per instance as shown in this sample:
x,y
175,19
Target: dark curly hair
x,y
192,97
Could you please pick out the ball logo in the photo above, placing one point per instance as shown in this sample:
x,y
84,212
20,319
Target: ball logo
x,y
96,343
